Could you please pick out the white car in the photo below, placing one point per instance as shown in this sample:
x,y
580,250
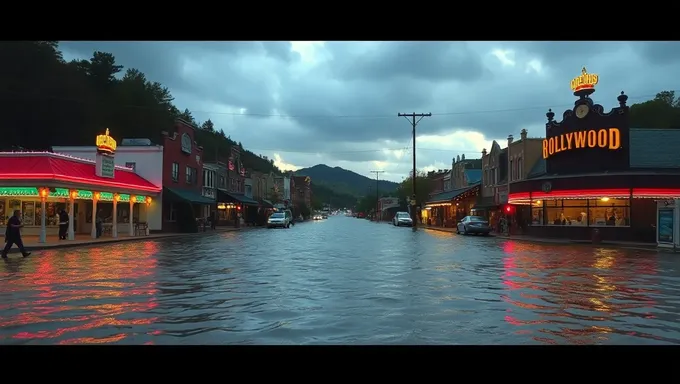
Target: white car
x,y
278,219
402,218
316,217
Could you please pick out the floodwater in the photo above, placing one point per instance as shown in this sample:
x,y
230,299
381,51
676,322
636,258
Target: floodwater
x,y
340,281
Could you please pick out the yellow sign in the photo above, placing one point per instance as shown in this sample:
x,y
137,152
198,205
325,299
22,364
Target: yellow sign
x,y
585,81
106,143
595,138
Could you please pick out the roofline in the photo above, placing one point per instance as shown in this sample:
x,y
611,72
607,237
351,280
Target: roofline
x,y
61,156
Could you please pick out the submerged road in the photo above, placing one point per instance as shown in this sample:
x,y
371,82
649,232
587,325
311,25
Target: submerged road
x,y
340,281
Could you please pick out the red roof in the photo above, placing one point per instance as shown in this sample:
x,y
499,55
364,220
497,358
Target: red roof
x,y
57,167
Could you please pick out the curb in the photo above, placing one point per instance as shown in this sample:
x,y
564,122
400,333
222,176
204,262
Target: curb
x,y
121,240
566,242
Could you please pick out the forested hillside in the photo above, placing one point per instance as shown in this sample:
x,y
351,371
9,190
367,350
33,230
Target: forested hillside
x,y
47,101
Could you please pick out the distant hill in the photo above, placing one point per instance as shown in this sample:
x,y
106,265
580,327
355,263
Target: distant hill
x,y
343,181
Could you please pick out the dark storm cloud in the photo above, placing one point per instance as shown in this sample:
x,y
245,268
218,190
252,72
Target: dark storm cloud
x,y
466,85
429,61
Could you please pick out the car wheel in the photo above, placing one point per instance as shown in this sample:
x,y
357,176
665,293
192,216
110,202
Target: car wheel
x,y
457,230
465,232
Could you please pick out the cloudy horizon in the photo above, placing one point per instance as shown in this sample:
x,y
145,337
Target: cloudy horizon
x,y
336,103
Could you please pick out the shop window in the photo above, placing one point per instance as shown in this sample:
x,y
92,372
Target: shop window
x,y
175,172
593,212
609,212
537,215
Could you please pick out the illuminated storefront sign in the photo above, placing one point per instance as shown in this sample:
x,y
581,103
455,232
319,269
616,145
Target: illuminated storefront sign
x,y
584,81
609,138
59,193
106,144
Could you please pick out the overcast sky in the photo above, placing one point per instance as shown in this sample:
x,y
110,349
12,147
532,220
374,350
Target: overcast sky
x,y
336,103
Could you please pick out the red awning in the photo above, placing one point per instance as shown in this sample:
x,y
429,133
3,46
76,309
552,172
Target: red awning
x,y
60,168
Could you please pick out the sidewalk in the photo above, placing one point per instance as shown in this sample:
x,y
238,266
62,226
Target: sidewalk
x,y
32,243
532,239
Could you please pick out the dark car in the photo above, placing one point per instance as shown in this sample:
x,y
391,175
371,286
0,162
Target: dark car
x,y
473,225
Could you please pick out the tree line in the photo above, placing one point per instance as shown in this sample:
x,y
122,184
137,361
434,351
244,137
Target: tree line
x,y
48,101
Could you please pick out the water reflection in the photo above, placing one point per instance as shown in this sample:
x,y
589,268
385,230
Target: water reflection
x,y
78,296
583,296
340,280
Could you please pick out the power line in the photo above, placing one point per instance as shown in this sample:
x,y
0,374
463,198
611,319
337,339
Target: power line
x,y
284,116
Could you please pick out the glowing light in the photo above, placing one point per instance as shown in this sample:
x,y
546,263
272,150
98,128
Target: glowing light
x,y
605,199
106,143
583,194
584,81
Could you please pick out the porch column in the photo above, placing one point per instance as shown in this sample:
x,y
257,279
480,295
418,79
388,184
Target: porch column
x,y
93,231
114,229
131,216
72,194
43,228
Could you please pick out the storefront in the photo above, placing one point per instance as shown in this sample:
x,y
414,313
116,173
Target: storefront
x,y
602,180
447,208
42,184
233,206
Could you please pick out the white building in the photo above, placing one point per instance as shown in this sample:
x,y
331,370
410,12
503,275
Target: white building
x,y
145,158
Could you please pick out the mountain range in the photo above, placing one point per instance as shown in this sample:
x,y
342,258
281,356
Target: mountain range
x,y
344,181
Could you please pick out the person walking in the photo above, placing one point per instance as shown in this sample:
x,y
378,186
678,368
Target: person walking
x,y
13,235
63,224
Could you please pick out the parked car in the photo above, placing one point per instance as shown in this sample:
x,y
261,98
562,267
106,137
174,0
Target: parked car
x,y
316,217
473,225
402,218
279,219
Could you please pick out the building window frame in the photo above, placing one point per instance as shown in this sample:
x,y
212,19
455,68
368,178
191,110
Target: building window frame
x,y
175,172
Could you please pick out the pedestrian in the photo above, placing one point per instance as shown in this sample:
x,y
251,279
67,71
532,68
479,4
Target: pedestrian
x,y
63,224
99,223
213,220
13,235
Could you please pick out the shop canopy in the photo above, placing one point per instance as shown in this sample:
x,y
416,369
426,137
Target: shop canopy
x,y
186,195
447,197
223,197
57,170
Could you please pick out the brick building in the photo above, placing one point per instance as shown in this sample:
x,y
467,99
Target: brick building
x,y
182,178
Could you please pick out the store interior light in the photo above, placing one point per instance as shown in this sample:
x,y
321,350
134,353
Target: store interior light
x,y
605,199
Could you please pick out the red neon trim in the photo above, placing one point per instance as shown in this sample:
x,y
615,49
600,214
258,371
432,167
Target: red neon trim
x,y
620,192
74,179
657,192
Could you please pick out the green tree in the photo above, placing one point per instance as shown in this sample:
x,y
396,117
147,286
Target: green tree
x,y
661,112
423,188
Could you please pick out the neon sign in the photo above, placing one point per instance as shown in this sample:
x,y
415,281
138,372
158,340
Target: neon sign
x,y
585,81
106,143
609,138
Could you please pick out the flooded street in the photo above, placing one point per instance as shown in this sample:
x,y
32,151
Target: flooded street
x,y
340,281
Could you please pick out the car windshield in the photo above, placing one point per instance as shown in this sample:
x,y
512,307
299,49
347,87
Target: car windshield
x,y
402,215
477,218
277,215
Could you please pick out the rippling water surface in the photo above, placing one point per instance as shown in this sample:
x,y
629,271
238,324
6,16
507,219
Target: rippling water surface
x,y
340,281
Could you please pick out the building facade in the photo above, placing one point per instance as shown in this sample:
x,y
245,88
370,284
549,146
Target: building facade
x,y
41,184
144,158
599,179
210,181
183,198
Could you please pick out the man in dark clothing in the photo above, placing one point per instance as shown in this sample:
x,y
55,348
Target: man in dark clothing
x,y
213,220
63,224
13,235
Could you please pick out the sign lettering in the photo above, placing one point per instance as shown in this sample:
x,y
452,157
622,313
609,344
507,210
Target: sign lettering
x,y
584,81
106,143
609,138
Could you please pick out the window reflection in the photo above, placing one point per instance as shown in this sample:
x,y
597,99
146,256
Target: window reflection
x,y
582,212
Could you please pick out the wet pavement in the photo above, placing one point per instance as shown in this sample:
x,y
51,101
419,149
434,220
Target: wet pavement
x,y
340,281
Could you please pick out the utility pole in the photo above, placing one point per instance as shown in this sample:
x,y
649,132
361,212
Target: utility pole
x,y
377,193
413,123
